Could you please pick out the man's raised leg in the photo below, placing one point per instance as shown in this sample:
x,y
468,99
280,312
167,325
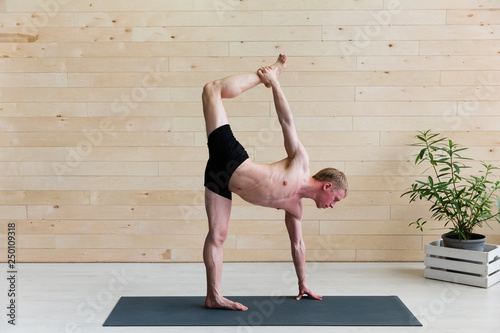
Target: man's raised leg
x,y
229,87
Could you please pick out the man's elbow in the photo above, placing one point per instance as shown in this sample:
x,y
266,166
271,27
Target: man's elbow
x,y
285,120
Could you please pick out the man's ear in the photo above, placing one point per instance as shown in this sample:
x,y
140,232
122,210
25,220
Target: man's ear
x,y
327,186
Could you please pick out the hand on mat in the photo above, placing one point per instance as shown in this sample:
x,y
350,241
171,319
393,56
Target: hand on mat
x,y
304,290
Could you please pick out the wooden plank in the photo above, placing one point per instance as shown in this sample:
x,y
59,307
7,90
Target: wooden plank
x,y
125,50
12,36
447,123
44,197
489,80
20,154
436,248
337,242
29,110
382,182
97,5
136,241
30,241
173,227
473,138
78,227
326,48
455,277
115,139
460,266
474,16
30,22
170,18
127,255
147,198
33,80
399,168
345,78
410,213
21,50
460,48
353,17
13,212
331,255
335,227
50,255
64,95
348,213
115,212
160,79
93,127
425,93
289,5
182,169
356,109
392,63
446,4
417,32
166,34
69,182
83,169
32,65
4,139
250,63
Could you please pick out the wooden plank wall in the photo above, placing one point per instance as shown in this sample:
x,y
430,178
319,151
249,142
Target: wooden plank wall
x,y
102,142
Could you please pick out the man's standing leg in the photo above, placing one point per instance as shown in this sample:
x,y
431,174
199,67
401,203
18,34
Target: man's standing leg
x,y
218,207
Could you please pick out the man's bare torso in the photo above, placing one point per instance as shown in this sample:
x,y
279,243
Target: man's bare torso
x,y
273,185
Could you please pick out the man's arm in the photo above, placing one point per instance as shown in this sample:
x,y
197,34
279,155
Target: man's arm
x,y
292,143
293,225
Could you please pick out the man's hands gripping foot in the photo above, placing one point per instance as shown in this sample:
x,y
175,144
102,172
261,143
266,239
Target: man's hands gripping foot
x,y
269,74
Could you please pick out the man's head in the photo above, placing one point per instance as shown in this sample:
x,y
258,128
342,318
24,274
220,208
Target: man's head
x,y
334,187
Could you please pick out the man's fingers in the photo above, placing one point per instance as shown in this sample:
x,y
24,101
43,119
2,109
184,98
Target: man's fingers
x,y
313,296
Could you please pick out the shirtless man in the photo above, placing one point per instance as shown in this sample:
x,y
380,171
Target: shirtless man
x,y
280,185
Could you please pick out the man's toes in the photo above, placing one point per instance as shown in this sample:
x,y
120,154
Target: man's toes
x,y
241,307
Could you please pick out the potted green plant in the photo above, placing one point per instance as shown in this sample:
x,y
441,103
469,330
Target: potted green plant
x,y
463,202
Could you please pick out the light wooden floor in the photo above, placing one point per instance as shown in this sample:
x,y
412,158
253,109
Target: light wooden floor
x,y
78,297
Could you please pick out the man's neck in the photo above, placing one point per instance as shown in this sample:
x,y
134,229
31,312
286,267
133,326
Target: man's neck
x,y
310,189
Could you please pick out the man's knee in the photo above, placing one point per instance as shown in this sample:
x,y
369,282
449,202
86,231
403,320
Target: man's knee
x,y
218,237
211,89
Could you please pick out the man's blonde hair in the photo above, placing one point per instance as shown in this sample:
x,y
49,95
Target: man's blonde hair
x,y
336,177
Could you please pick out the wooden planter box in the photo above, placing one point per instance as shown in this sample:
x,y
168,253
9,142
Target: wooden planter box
x,y
480,269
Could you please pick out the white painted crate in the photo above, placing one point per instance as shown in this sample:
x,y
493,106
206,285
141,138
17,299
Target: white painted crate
x,y
480,269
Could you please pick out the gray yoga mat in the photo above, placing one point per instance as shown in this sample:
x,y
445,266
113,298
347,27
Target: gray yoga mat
x,y
263,311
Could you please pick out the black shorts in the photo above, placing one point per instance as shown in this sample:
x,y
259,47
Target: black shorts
x,y
226,155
